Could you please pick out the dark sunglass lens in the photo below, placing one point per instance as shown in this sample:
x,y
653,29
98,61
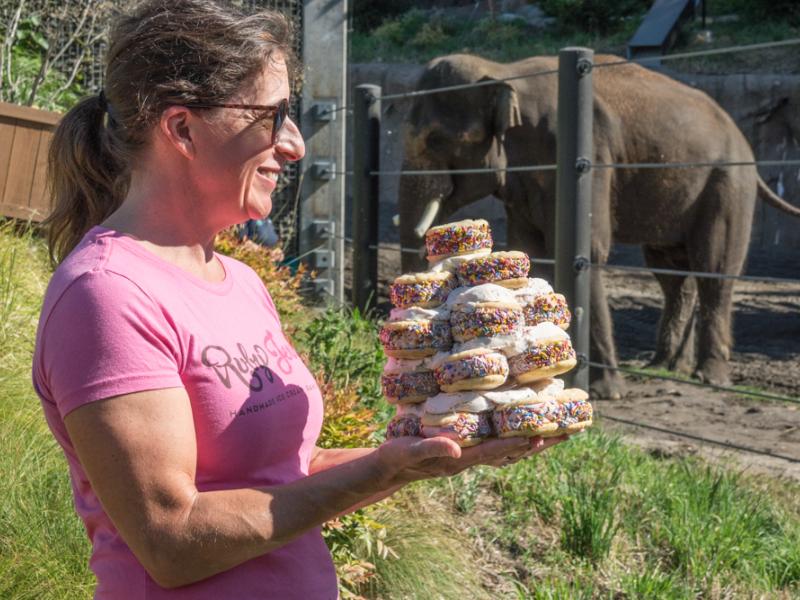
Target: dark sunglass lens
x,y
280,118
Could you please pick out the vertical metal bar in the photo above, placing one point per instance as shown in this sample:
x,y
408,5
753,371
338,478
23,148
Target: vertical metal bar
x,y
366,158
574,197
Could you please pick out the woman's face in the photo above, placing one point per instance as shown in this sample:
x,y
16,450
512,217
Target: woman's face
x,y
237,165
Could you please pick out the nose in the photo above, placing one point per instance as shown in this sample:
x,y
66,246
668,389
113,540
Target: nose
x,y
290,142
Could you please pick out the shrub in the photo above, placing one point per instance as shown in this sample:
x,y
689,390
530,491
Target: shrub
x,y
759,10
596,16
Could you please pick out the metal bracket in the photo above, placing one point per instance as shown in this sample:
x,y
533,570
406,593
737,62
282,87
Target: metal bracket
x,y
324,111
323,286
582,361
583,165
322,230
581,263
323,170
584,66
322,259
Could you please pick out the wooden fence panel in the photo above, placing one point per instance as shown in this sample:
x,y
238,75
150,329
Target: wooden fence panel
x,y
25,135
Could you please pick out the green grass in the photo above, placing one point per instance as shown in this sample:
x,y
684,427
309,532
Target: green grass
x,y
44,551
594,517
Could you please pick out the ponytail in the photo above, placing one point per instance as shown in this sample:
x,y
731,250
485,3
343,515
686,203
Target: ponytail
x,y
83,176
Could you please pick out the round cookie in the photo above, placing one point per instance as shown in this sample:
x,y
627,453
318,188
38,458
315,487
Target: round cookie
x,y
407,381
575,412
484,311
479,369
509,269
464,417
406,422
548,308
452,263
462,237
527,411
544,351
485,319
415,338
425,290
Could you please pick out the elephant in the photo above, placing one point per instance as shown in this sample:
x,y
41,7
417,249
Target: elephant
x,y
686,219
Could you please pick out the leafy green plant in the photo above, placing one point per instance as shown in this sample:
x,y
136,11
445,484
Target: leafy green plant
x,y
44,48
343,344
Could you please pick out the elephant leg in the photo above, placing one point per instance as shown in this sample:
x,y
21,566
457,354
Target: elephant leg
x,y
675,342
605,383
714,331
718,244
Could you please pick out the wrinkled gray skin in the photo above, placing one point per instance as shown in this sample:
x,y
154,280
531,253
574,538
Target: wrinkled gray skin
x,y
687,219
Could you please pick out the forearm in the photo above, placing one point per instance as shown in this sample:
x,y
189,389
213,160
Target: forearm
x,y
225,528
325,458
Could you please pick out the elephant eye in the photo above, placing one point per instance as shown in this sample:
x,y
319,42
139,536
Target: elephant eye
x,y
435,139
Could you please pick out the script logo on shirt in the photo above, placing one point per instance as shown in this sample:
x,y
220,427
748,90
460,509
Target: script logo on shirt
x,y
253,367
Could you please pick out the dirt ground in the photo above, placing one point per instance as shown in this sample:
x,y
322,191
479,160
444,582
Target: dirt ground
x,y
766,357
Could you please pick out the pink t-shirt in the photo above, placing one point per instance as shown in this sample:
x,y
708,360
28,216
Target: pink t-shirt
x,y
117,319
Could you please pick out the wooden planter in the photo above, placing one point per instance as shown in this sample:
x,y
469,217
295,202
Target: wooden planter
x,y
25,135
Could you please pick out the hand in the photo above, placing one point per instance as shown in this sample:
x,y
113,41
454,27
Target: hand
x,y
407,459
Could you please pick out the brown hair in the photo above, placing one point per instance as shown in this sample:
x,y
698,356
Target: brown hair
x,y
166,52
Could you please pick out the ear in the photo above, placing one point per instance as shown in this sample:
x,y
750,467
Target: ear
x,y
506,110
175,127
768,109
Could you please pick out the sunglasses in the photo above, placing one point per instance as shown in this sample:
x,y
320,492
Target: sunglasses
x,y
279,113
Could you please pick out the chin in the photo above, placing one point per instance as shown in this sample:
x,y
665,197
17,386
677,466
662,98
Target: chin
x,y
260,210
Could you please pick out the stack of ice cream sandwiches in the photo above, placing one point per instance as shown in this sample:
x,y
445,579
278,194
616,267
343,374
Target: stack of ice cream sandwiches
x,y
474,345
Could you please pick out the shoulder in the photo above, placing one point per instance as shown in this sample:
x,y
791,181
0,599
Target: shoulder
x,y
247,277
91,276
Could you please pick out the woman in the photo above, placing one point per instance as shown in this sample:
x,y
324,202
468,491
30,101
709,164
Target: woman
x,y
188,421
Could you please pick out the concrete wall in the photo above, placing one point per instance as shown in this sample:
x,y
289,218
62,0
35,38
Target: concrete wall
x,y
766,107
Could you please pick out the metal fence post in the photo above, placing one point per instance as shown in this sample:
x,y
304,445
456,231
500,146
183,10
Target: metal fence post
x,y
574,196
366,158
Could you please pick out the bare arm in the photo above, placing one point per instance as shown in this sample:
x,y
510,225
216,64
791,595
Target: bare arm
x,y
139,452
326,458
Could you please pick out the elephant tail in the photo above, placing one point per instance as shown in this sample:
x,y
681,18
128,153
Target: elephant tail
x,y
772,198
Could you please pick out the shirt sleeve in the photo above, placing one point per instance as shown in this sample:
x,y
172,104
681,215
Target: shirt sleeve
x,y
105,337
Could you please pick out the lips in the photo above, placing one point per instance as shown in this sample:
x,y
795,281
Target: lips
x,y
267,174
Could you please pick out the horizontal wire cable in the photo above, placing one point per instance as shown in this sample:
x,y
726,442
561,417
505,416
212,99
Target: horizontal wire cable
x,y
644,59
700,274
700,438
529,168
719,388
303,255
697,165
469,171
697,53
463,86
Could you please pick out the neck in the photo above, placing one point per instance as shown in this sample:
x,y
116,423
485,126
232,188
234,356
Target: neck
x,y
167,217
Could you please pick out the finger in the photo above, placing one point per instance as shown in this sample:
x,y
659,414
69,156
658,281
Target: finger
x,y
544,443
494,450
435,447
